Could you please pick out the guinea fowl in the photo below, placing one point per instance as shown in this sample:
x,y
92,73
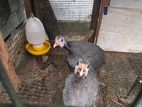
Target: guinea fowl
x,y
81,49
81,87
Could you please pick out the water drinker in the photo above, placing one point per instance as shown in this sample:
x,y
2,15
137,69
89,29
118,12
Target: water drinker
x,y
37,38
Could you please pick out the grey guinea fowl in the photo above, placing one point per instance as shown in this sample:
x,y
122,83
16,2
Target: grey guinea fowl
x,y
81,89
81,49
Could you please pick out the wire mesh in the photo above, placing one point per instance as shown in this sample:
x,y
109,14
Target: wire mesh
x,y
44,86
73,17
16,17
136,64
40,86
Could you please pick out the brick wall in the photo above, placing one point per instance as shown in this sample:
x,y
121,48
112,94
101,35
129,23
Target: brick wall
x,y
16,46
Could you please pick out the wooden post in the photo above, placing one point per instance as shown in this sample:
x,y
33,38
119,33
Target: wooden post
x,y
6,61
101,12
28,8
43,10
94,19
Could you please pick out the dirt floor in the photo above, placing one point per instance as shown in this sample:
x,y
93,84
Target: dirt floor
x,y
43,78
123,69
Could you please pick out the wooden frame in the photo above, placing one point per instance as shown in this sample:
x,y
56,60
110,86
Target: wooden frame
x,y
97,14
101,12
28,7
97,18
6,61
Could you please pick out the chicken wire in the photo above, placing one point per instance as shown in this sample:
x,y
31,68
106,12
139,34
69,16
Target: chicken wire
x,y
72,10
40,86
16,17
136,64
73,16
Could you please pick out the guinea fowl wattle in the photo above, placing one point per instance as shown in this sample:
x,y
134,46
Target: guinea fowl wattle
x,y
81,49
81,87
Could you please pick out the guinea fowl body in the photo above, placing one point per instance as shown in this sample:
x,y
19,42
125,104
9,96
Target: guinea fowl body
x,y
80,49
81,92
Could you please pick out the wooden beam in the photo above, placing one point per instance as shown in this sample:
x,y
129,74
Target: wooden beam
x,y
36,8
43,10
6,61
97,15
94,18
28,7
101,13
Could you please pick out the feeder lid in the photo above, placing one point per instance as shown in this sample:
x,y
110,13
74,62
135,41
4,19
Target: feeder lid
x,y
41,51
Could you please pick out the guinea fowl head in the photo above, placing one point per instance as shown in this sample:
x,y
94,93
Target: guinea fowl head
x,y
60,41
82,68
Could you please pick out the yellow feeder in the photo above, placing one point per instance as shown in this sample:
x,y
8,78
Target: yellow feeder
x,y
38,51
37,38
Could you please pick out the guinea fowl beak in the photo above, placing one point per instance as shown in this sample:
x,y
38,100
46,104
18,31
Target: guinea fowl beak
x,y
55,45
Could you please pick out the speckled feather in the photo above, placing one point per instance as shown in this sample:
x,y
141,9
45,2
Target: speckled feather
x,y
81,92
80,49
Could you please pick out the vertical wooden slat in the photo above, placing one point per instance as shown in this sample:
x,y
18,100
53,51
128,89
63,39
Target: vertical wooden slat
x,y
4,57
94,18
36,8
49,19
95,13
101,12
28,7
43,10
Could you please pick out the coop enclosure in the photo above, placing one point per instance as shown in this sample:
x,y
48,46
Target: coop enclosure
x,y
42,81
72,18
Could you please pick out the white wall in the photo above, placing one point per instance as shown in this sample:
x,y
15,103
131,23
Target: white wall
x,y
134,4
72,10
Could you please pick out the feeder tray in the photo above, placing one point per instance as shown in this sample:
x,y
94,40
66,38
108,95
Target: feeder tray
x,y
38,51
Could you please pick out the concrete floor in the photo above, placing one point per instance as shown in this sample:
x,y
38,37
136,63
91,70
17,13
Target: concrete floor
x,y
121,30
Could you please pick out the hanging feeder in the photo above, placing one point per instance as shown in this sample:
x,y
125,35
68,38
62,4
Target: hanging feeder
x,y
37,38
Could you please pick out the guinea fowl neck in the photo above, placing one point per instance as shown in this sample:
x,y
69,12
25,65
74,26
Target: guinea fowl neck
x,y
67,47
